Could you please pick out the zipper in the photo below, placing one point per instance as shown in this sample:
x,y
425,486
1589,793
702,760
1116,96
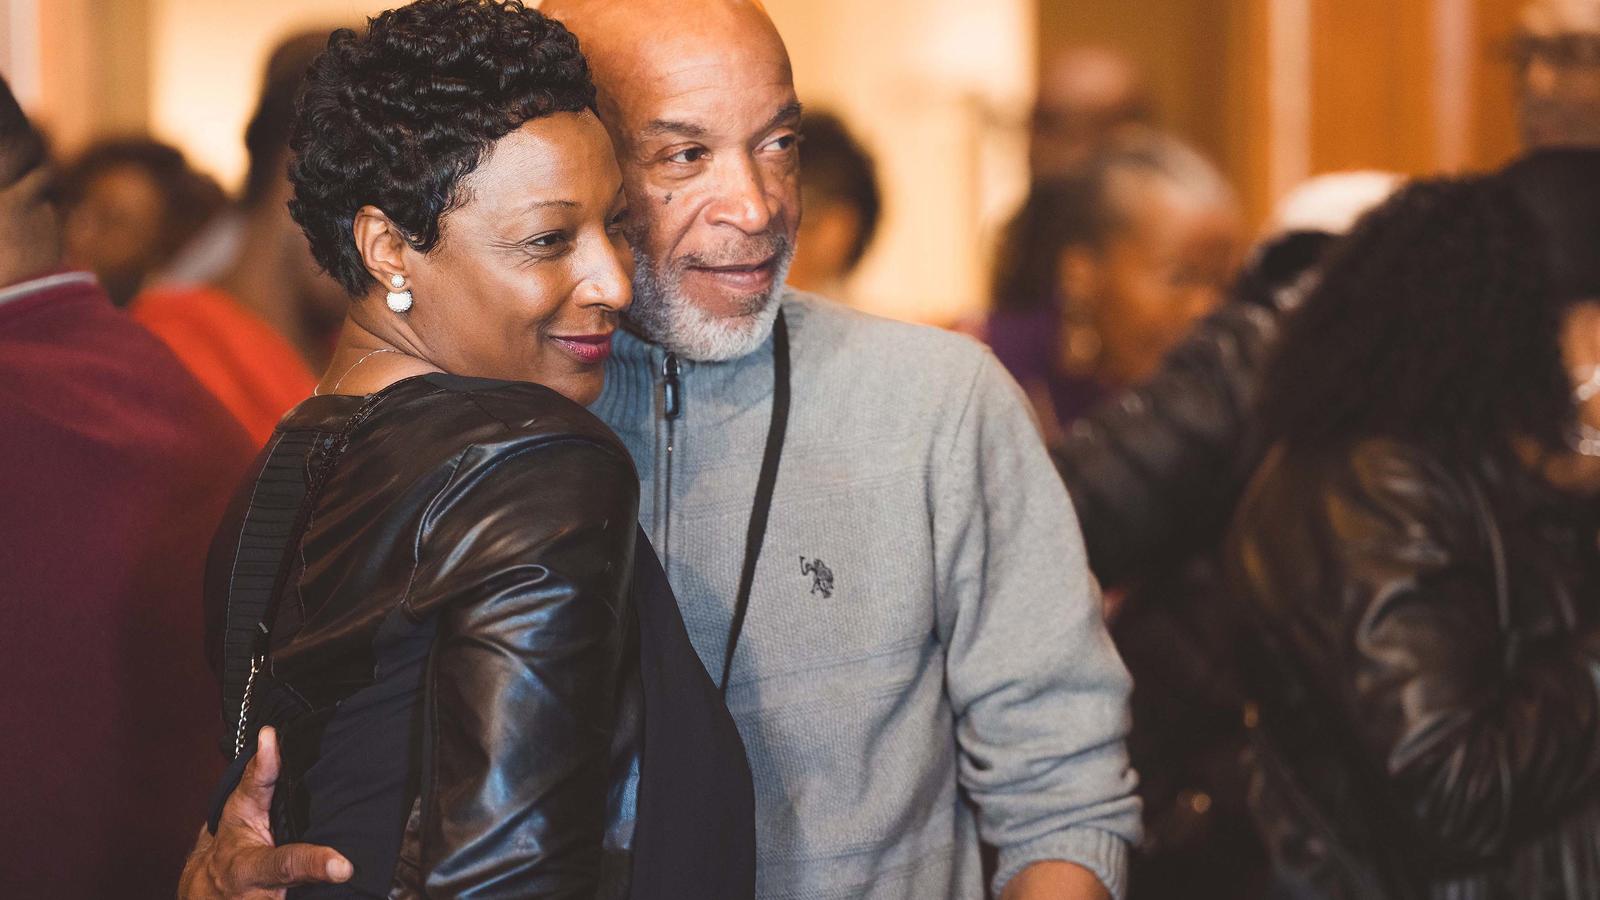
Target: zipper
x,y
671,408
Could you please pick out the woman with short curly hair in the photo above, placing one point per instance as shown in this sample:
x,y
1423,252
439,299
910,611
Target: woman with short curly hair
x,y
434,588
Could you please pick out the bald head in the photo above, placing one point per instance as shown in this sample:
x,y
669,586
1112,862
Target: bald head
x,y
1559,69
1085,94
632,44
698,96
1553,17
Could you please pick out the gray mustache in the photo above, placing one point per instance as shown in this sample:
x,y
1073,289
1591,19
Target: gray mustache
x,y
770,245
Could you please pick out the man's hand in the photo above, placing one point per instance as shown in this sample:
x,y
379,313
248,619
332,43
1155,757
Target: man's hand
x,y
240,862
1055,880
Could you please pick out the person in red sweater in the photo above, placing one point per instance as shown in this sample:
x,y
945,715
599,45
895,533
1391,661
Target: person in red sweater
x,y
115,467
259,331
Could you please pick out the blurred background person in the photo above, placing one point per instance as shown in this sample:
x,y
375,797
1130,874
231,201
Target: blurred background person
x,y
839,190
131,204
1558,62
1086,94
1154,473
116,467
1417,557
1102,272
258,329
1143,466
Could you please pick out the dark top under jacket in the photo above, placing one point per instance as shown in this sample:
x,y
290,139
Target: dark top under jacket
x,y
480,677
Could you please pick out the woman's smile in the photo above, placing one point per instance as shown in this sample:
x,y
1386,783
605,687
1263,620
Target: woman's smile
x,y
588,349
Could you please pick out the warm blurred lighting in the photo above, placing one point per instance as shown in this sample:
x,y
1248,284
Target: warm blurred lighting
x,y
19,48
936,90
205,66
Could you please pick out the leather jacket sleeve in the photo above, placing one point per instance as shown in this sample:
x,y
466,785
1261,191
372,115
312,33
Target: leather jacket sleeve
x,y
527,557
1396,606
1158,468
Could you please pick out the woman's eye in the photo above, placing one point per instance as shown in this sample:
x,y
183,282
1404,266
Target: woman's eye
x,y
688,155
617,221
547,243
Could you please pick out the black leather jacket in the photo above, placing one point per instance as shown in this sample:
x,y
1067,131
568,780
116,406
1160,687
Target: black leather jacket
x,y
1154,475
456,651
1427,662
1155,471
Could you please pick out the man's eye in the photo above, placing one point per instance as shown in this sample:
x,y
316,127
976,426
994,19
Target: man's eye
x,y
786,142
546,241
688,155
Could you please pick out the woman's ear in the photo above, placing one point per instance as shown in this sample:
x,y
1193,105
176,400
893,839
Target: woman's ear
x,y
1078,278
1580,337
381,246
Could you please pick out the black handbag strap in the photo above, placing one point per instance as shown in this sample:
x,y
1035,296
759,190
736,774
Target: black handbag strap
x,y
270,527
765,484
274,522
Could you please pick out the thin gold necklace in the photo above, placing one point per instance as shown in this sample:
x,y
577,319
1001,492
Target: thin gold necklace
x,y
316,392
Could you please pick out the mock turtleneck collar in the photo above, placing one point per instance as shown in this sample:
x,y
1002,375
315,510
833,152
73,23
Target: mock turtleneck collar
x,y
712,391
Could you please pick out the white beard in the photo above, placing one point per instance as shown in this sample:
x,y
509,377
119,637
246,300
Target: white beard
x,y
662,315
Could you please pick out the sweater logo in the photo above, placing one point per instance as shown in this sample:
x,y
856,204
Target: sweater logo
x,y
821,576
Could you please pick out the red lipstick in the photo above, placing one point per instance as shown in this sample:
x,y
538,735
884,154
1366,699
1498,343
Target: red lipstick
x,y
589,349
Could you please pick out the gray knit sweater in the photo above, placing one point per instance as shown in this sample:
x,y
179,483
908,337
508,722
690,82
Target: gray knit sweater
x,y
923,629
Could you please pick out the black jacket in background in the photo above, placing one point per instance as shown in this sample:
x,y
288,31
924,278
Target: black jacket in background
x,y
1427,664
475,656
1154,475
1154,472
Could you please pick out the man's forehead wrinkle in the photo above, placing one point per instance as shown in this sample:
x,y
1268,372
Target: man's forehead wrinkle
x,y
698,109
686,128
661,127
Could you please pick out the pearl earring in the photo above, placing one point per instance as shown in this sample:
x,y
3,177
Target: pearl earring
x,y
1589,386
399,298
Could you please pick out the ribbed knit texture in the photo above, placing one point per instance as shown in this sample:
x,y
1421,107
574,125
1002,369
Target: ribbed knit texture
x,y
922,625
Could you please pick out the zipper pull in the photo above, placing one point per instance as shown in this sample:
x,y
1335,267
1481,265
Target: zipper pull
x,y
671,392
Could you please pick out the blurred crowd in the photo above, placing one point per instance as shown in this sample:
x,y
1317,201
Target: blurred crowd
x,y
1336,477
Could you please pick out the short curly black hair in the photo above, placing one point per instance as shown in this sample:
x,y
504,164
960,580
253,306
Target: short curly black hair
x,y
395,118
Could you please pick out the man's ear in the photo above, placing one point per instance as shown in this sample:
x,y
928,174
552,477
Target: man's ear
x,y
382,247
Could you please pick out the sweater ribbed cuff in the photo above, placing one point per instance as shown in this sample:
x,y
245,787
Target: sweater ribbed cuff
x,y
1101,852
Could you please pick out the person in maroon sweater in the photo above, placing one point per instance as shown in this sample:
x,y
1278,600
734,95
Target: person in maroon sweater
x,y
115,466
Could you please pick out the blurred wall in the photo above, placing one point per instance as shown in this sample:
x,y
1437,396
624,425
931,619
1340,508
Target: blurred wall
x,y
81,67
937,90
207,58
1278,90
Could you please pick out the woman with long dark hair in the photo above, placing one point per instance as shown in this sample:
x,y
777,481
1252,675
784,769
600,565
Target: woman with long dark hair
x,y
434,586
1417,558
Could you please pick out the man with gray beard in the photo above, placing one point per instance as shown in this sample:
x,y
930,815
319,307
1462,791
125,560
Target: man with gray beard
x,y
890,584
870,547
